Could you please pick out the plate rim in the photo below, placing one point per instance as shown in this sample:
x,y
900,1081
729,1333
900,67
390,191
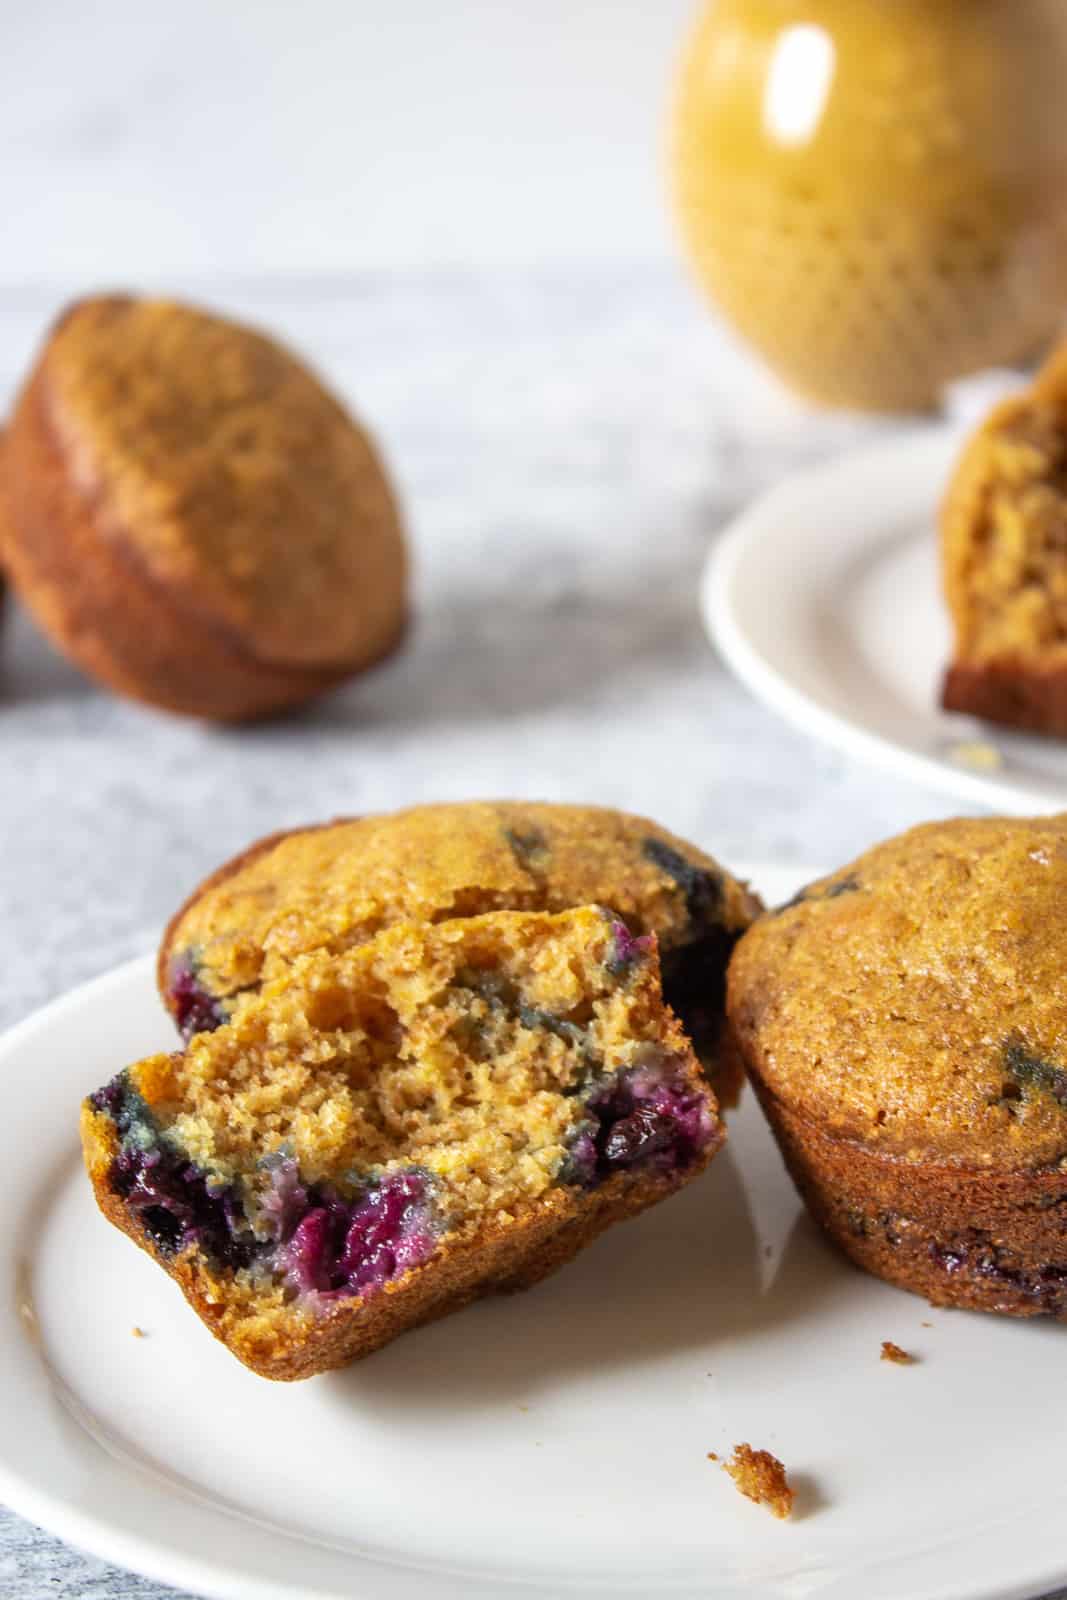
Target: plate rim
x,y
737,544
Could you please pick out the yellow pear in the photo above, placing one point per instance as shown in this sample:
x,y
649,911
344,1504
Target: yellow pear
x,y
875,191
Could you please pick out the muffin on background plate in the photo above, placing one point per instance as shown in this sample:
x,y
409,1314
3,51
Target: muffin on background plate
x,y
1004,561
904,1023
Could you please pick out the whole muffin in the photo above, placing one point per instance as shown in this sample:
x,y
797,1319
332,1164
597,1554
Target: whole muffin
x,y
1004,561
193,518
904,1023
337,885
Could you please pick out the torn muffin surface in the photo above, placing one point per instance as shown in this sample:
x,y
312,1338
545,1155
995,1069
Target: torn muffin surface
x,y
335,886
372,1120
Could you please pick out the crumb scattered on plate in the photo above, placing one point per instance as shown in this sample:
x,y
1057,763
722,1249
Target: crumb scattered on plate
x,y
138,1333
893,1352
761,1477
926,1324
976,756
712,1456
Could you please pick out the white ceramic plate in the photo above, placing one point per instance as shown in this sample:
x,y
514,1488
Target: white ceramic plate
x,y
551,1443
824,598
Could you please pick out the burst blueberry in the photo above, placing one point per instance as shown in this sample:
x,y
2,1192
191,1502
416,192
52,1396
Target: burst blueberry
x,y
627,949
195,1010
341,1248
642,1116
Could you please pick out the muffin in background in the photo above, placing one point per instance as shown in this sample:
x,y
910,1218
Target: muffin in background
x,y
193,518
1004,561
904,1023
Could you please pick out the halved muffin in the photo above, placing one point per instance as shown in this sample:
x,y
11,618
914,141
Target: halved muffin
x,y
381,1135
1004,561
904,1023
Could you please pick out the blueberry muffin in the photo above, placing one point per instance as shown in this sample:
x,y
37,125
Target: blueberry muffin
x,y
385,1132
193,518
1004,560
904,1023
332,887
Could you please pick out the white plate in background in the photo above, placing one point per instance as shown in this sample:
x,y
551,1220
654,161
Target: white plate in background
x,y
824,597
547,1444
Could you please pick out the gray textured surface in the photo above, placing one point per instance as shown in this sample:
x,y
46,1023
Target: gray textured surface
x,y
567,448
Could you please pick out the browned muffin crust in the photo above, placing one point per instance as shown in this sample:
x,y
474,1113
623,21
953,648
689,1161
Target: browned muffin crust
x,y
215,880
902,1023
960,1238
1017,694
193,518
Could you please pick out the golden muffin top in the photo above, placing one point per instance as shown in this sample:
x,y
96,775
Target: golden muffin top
x,y
917,1000
227,471
332,887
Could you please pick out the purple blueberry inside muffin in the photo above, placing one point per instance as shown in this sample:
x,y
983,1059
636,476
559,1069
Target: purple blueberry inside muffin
x,y
195,1010
328,1244
342,1247
626,949
317,1240
643,1115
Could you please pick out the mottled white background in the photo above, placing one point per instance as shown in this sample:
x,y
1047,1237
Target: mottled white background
x,y
457,211
137,136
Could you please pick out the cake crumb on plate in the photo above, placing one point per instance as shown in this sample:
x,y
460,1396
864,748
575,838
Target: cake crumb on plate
x,y
976,755
761,1477
893,1352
